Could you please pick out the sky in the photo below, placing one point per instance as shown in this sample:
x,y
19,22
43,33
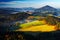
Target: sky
x,y
29,3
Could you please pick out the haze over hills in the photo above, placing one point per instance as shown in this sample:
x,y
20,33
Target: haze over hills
x,y
46,9
15,10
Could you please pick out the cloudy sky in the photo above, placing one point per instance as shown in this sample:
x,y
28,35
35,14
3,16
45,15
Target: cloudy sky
x,y
29,3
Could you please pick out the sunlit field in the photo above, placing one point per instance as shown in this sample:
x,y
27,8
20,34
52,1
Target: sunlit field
x,y
37,26
34,23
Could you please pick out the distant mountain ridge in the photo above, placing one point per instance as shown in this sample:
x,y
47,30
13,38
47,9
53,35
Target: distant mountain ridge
x,y
13,10
46,8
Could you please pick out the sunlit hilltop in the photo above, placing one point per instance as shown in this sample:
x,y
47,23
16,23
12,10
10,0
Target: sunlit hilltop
x,y
43,27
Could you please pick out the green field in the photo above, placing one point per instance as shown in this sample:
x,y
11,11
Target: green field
x,y
34,23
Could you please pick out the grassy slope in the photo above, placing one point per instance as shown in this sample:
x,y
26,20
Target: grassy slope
x,y
38,27
34,23
42,28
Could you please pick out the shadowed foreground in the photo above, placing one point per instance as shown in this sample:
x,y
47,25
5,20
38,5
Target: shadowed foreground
x,y
30,35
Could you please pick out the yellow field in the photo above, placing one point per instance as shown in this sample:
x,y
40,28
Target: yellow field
x,y
41,28
34,23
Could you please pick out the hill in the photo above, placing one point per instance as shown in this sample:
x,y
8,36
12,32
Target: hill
x,y
46,9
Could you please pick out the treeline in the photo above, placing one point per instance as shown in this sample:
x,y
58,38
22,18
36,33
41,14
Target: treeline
x,y
14,17
51,20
